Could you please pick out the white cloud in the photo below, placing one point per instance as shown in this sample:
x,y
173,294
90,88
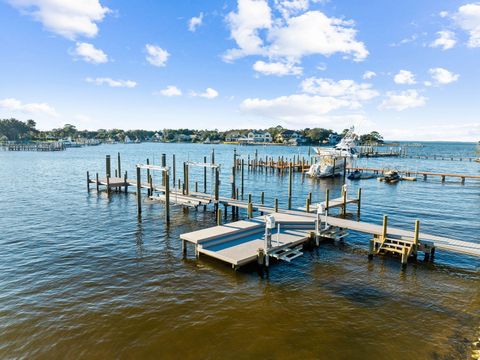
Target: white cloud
x,y
369,75
209,93
303,110
404,77
346,89
468,19
442,76
156,56
68,18
291,7
446,40
315,33
277,68
112,83
443,14
15,105
402,100
251,16
292,38
195,22
89,53
170,90
448,132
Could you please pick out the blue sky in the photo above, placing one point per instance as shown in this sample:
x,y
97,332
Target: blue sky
x,y
409,69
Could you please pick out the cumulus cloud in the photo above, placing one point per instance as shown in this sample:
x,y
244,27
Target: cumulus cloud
x,y
111,82
195,22
442,76
209,93
68,18
14,105
156,56
445,39
170,90
404,77
346,89
257,32
468,19
277,68
89,53
367,75
402,100
291,7
303,110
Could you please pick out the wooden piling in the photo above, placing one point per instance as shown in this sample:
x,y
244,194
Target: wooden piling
x,y
359,203
262,200
217,187
307,206
108,185
107,166
139,193
88,181
174,170
344,205
290,180
219,216
213,156
276,205
196,186
415,238
126,182
205,175
327,199
250,207
234,194
243,178
384,228
96,180
119,164
164,164
167,196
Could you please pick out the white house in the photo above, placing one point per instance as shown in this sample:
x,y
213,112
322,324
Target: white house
x,y
262,137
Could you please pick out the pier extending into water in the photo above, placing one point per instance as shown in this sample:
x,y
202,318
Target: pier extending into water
x,y
424,174
33,146
239,243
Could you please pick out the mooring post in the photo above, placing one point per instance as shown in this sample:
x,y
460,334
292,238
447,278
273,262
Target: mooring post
x,y
119,164
107,166
126,182
213,156
88,181
290,179
150,182
262,200
148,177
139,194
384,228
243,177
359,203
217,187
196,186
276,205
174,170
415,238
184,178
96,181
116,173
344,168
327,199
344,206
205,175
164,164
108,185
307,206
219,216
167,196
233,183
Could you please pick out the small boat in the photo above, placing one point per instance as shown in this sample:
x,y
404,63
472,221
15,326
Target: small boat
x,y
356,175
391,177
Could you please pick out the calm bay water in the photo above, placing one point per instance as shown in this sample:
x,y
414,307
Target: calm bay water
x,y
80,277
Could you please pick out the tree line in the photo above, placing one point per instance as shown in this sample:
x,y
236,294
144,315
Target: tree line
x,y
16,130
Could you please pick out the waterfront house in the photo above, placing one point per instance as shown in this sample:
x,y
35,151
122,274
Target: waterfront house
x,y
259,137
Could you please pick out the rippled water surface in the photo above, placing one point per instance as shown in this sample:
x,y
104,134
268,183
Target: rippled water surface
x,y
80,277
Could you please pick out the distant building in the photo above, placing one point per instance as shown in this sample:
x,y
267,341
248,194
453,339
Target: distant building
x,y
127,140
290,137
233,136
259,137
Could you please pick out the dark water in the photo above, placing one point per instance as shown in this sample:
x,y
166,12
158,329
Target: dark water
x,y
81,278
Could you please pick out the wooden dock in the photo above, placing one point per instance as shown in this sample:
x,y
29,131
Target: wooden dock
x,y
424,174
239,243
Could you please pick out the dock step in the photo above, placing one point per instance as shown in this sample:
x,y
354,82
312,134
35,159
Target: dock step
x,y
286,254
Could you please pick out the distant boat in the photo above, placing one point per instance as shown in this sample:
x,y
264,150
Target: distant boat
x,y
334,160
391,177
356,175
